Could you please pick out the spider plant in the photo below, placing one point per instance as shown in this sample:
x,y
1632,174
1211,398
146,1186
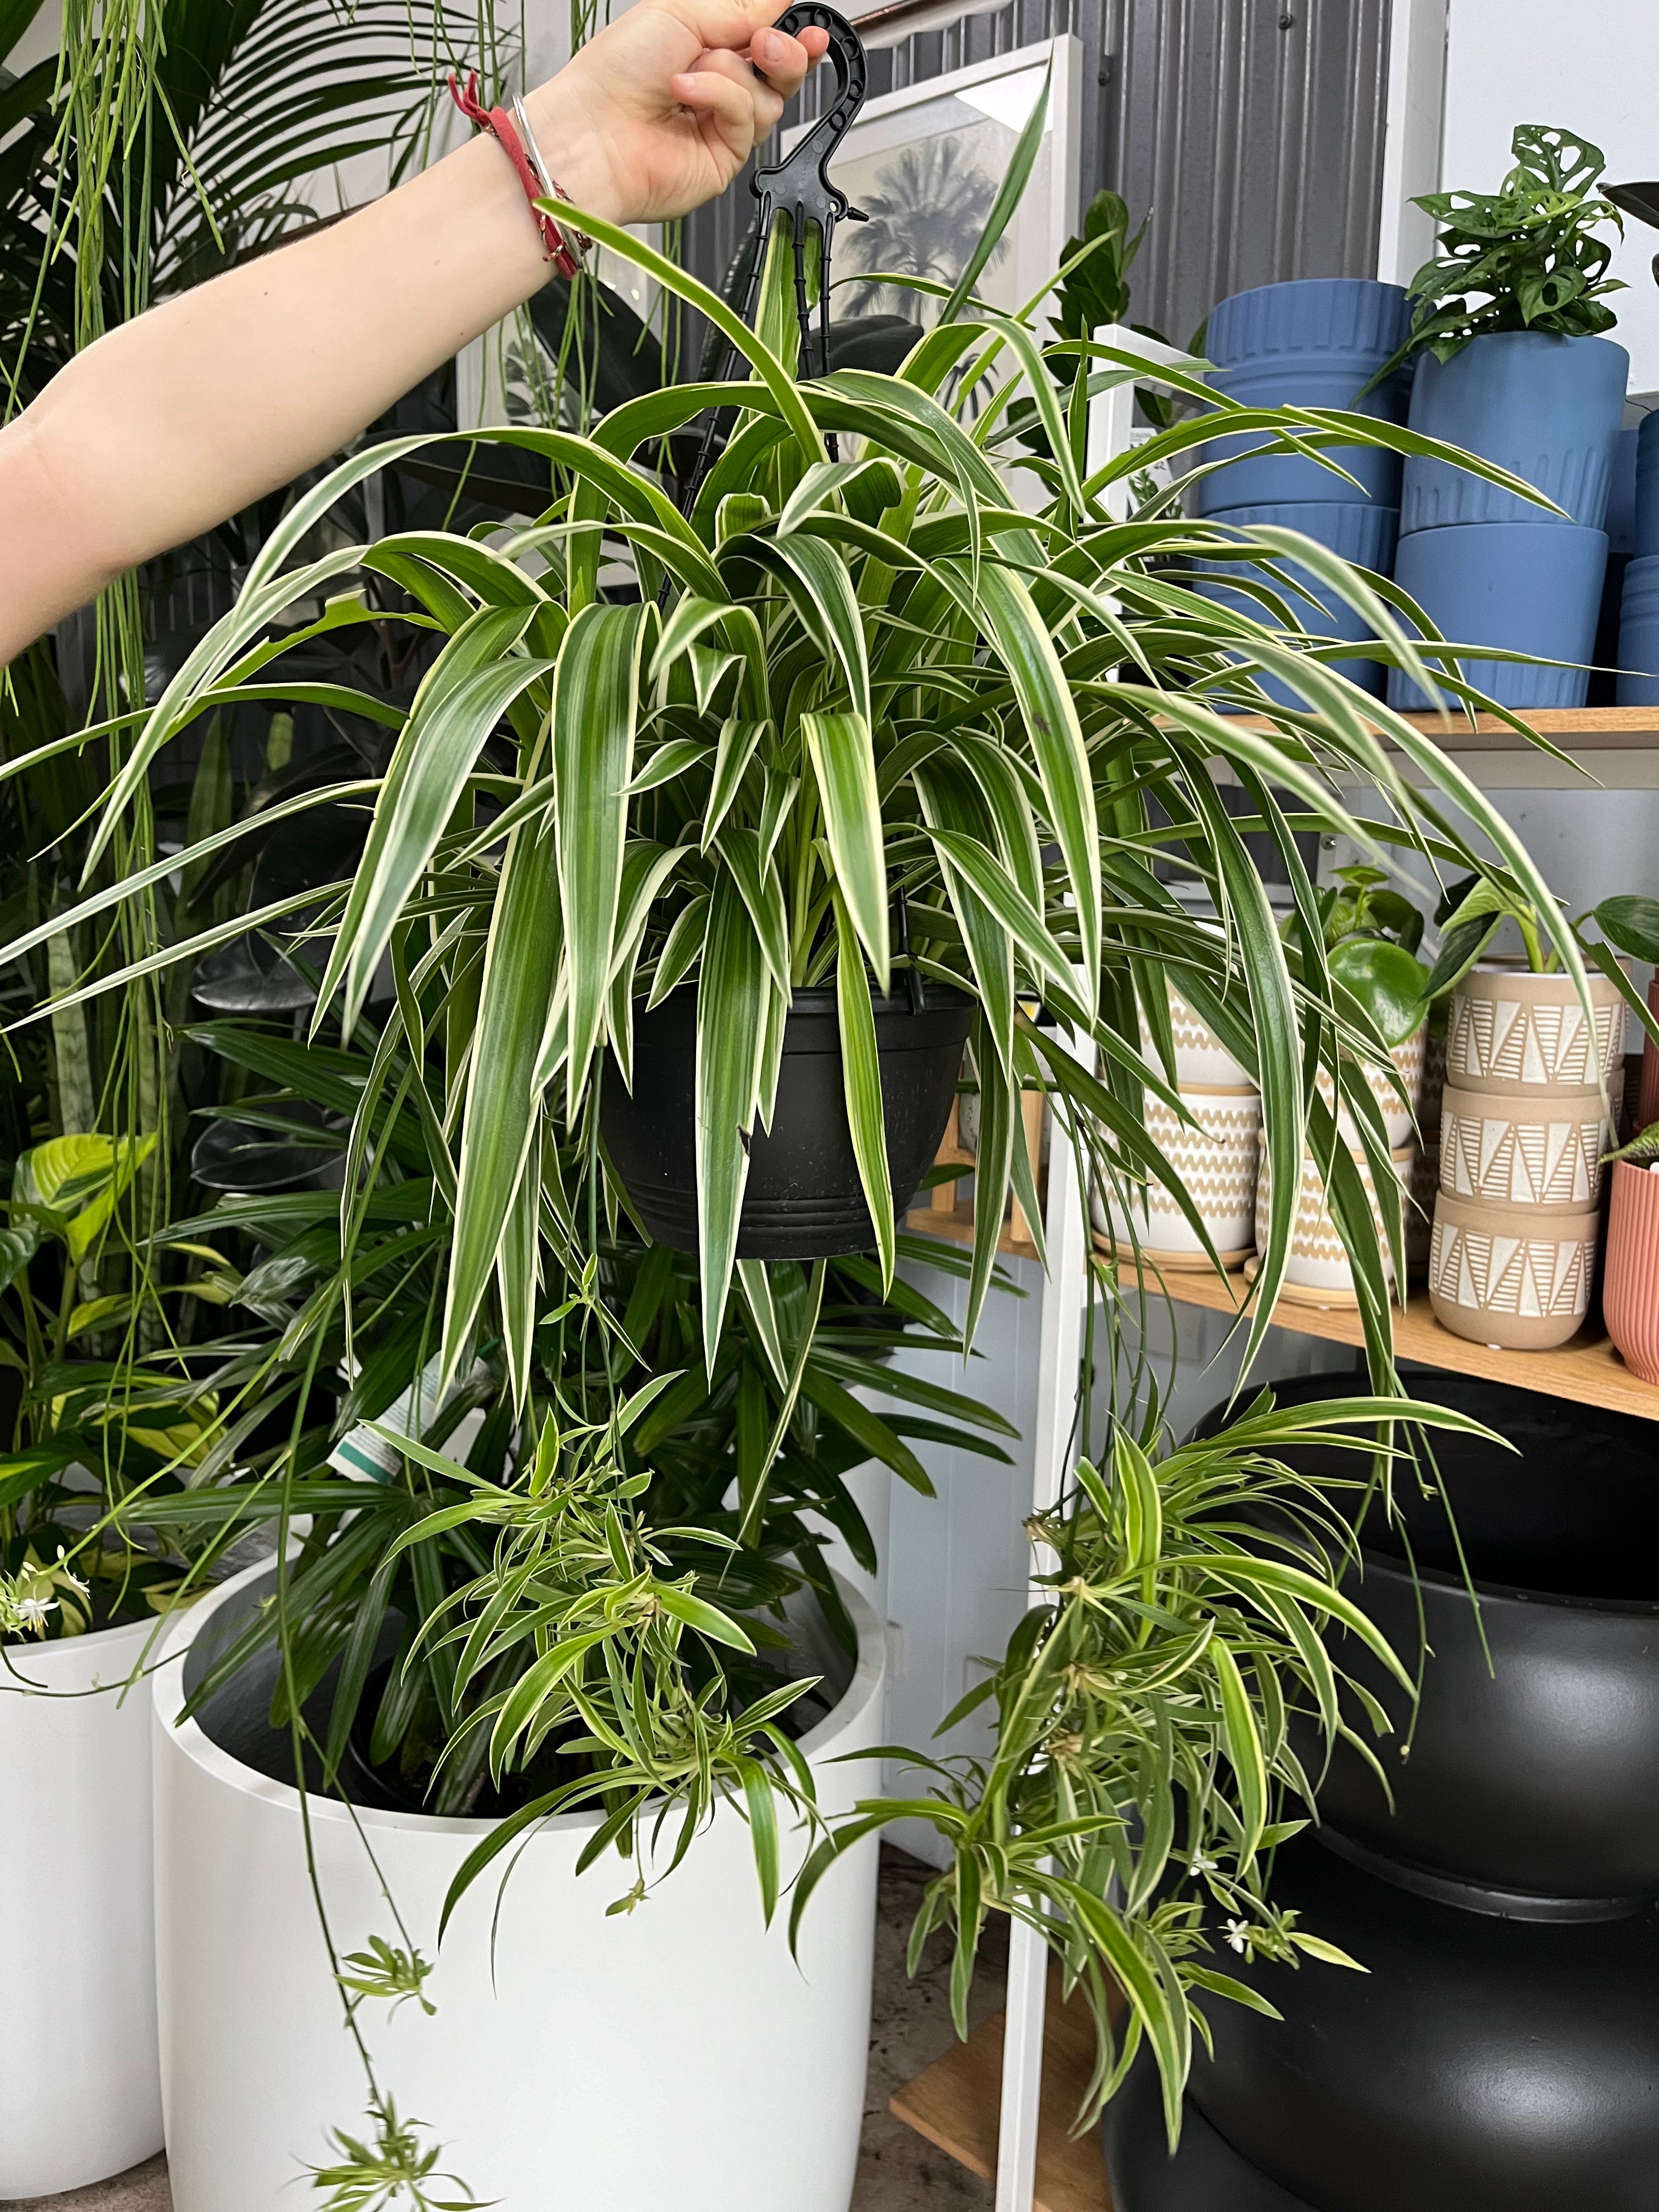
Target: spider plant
x,y
710,750
1143,1770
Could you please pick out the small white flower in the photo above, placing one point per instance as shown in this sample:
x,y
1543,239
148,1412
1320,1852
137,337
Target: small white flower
x,y
33,1611
1238,1934
1201,1865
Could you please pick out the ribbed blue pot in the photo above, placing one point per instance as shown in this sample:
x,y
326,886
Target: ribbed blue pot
x,y
1364,535
1638,632
1547,408
1314,343
1647,487
1345,315
1526,586
1621,523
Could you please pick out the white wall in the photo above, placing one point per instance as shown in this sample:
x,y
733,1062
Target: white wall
x,y
1589,65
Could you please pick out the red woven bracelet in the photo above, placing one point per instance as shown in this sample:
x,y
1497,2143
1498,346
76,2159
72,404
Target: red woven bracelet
x,y
516,142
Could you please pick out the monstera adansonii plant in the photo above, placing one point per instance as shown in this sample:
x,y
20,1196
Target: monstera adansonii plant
x,y
847,719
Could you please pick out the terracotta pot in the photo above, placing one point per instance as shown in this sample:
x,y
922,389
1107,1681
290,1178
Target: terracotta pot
x,y
1217,1165
1629,1288
1516,1278
1200,1058
1510,1030
1399,1115
1647,1108
1523,1148
1319,1260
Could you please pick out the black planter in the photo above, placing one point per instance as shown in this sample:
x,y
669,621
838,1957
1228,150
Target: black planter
x,y
1532,1785
803,1200
1205,2174
1480,2065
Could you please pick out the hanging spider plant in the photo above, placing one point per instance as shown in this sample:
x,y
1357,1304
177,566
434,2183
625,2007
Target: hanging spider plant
x,y
714,752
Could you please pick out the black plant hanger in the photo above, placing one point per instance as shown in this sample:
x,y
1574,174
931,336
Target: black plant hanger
x,y
798,186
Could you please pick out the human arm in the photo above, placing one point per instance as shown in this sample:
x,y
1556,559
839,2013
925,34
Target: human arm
x,y
227,392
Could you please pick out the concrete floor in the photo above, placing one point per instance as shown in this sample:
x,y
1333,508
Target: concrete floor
x,y
910,2027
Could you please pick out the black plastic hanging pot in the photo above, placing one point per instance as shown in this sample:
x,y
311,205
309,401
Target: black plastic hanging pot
x,y
1530,1785
803,1200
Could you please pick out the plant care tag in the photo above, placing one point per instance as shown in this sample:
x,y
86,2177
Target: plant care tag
x,y
363,1455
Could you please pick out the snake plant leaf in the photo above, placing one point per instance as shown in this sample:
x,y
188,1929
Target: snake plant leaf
x,y
596,696
730,1033
503,1090
844,764
861,1083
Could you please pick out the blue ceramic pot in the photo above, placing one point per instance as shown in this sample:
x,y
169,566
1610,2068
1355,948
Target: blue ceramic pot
x,y
1547,408
1314,343
1621,523
1526,586
1345,316
1364,535
1639,631
1646,531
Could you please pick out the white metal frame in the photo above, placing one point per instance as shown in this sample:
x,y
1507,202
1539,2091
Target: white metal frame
x,y
1410,144
1064,1296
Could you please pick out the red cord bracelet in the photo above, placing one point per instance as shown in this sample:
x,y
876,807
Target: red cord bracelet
x,y
517,142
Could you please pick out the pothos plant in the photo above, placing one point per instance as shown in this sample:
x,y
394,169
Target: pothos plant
x,y
709,751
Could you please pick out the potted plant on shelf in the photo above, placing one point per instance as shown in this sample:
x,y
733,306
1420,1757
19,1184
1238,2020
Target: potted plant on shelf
x,y
1511,363
1528,1106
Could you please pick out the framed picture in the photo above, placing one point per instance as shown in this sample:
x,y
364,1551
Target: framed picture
x,y
925,165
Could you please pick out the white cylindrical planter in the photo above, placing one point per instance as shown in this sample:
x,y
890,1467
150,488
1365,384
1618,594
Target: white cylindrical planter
x,y
80,2091
676,2056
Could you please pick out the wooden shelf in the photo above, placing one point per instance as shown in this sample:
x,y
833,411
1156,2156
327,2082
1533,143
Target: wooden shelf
x,y
1589,1372
955,2103
957,1224
1615,746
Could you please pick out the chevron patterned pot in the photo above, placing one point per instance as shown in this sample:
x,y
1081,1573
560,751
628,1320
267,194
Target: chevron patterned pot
x,y
1319,1260
1217,1165
1522,1148
1510,1030
1516,1277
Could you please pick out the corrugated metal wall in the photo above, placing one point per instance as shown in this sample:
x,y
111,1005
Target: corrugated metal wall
x,y
1251,129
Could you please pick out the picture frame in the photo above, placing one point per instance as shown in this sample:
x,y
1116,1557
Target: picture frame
x,y
925,164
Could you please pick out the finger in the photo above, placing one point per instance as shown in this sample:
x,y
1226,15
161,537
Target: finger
x,y
730,107
785,61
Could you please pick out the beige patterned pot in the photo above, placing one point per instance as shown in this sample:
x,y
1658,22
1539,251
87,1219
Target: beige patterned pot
x,y
1510,1032
1319,1260
1397,1113
1523,1148
1200,1058
1217,1165
1516,1277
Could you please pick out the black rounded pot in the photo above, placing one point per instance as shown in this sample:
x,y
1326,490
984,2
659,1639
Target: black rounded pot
x,y
1480,2065
1205,2173
803,1200
1531,1786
